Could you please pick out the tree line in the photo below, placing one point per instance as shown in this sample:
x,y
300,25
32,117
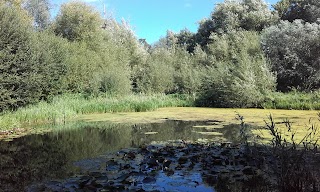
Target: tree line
x,y
242,52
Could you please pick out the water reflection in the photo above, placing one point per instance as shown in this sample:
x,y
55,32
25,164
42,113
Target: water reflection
x,y
74,148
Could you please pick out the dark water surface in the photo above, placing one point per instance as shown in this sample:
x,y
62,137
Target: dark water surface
x,y
75,149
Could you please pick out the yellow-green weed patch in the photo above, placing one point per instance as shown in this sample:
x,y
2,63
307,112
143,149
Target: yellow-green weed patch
x,y
300,119
221,115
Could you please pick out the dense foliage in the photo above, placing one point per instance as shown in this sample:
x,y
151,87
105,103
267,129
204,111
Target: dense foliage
x,y
39,11
307,10
240,75
78,22
293,49
238,56
250,15
20,74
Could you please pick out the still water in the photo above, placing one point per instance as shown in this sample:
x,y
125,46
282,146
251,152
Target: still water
x,y
77,148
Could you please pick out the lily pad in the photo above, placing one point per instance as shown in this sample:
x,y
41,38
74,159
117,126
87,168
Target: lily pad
x,y
209,133
150,133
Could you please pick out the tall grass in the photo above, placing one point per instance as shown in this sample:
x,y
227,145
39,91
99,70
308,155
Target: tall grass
x,y
288,163
64,107
295,164
293,100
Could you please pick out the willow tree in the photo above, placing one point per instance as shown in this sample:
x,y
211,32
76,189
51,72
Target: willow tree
x,y
77,21
293,49
249,15
307,10
240,75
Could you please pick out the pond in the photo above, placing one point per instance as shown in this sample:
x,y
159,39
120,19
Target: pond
x,y
82,147
67,158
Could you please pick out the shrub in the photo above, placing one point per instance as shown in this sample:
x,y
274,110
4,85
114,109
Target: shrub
x,y
240,75
158,73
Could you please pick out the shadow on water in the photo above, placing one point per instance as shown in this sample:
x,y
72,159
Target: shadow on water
x,y
75,149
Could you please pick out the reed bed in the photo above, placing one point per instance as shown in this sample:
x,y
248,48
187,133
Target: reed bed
x,y
293,100
68,106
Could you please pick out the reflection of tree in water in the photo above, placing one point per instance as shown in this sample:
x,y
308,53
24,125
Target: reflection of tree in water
x,y
232,132
254,184
168,130
29,158
37,157
94,139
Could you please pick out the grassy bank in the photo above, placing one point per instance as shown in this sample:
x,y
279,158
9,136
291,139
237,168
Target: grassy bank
x,y
69,106
64,107
293,100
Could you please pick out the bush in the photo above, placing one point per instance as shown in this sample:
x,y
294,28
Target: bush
x,y
240,75
156,76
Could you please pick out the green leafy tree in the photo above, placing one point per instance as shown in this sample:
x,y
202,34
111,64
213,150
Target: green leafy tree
x,y
51,53
186,39
206,27
307,10
293,49
157,75
78,21
103,58
168,42
18,5
145,44
40,12
108,69
82,67
282,7
250,15
19,77
187,75
15,3
240,75
128,54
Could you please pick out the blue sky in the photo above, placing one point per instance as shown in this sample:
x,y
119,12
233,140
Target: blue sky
x,y
150,19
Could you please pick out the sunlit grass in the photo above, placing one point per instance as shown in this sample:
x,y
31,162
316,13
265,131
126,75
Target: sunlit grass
x,y
117,108
64,107
293,100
